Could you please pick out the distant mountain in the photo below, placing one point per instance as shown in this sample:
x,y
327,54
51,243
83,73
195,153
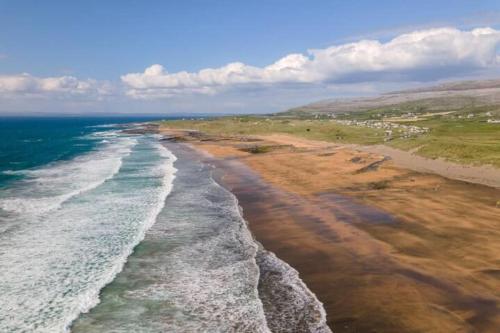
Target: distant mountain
x,y
454,86
454,95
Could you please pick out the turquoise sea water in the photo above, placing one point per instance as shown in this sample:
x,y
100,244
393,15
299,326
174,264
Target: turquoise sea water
x,y
76,196
30,142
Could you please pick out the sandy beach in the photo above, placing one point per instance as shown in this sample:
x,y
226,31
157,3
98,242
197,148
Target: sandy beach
x,y
385,248
477,174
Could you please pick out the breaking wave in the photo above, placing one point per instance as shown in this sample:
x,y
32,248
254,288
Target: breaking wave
x,y
71,227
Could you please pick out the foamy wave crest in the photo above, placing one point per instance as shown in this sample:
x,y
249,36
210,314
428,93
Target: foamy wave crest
x,y
166,171
14,172
47,188
103,126
198,269
289,305
100,135
53,267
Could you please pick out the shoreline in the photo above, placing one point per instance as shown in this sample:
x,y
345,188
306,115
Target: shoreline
x,y
288,304
367,243
185,275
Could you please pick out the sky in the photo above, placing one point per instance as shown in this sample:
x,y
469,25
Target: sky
x,y
171,57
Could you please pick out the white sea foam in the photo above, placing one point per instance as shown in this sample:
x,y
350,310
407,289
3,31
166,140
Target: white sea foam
x,y
203,279
103,126
53,266
166,171
106,135
198,270
47,188
289,304
14,172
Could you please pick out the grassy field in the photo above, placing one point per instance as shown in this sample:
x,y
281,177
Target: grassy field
x,y
324,130
456,136
464,140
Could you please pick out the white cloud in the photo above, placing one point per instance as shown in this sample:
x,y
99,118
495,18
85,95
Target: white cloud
x,y
420,55
63,86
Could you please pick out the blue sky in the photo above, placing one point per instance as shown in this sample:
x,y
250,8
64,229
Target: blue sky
x,y
96,43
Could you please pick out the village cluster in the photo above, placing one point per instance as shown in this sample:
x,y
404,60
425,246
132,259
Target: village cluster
x,y
391,129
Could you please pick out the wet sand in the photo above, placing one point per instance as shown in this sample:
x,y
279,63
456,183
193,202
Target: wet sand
x,y
385,249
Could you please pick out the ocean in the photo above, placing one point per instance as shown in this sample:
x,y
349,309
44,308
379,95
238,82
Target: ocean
x,y
29,142
106,231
